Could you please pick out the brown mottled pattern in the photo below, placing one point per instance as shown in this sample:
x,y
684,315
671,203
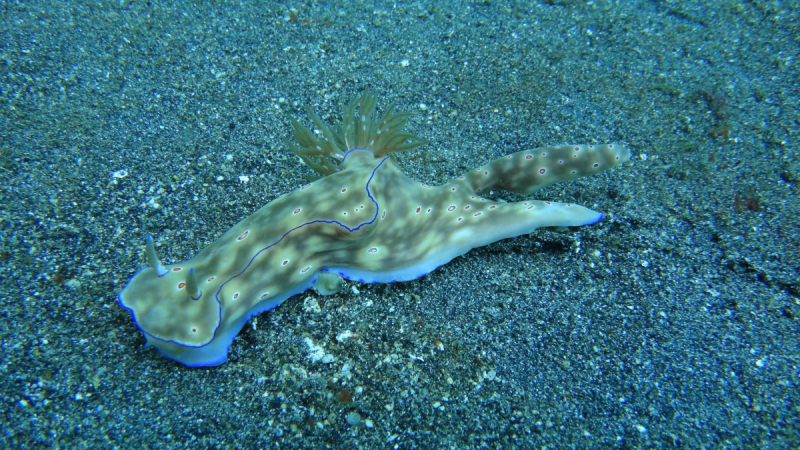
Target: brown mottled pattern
x,y
333,223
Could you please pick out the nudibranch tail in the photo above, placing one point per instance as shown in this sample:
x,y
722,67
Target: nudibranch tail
x,y
530,170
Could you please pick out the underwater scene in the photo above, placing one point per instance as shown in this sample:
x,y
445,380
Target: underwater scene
x,y
531,224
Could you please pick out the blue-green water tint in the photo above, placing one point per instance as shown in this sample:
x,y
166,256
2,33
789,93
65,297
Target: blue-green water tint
x,y
673,322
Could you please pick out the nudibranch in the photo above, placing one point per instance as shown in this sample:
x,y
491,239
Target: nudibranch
x,y
364,220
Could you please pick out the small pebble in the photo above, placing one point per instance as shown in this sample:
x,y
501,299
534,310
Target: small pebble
x,y
353,418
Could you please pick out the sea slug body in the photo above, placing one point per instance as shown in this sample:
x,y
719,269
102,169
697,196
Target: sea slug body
x,y
363,220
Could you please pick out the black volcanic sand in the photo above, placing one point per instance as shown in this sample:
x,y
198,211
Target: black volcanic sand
x,y
671,323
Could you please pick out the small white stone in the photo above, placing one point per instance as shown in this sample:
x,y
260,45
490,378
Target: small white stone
x,y
220,178
120,174
315,352
244,179
404,62
310,304
345,336
353,418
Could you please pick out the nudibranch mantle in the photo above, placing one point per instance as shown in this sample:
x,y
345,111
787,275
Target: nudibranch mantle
x,y
364,220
